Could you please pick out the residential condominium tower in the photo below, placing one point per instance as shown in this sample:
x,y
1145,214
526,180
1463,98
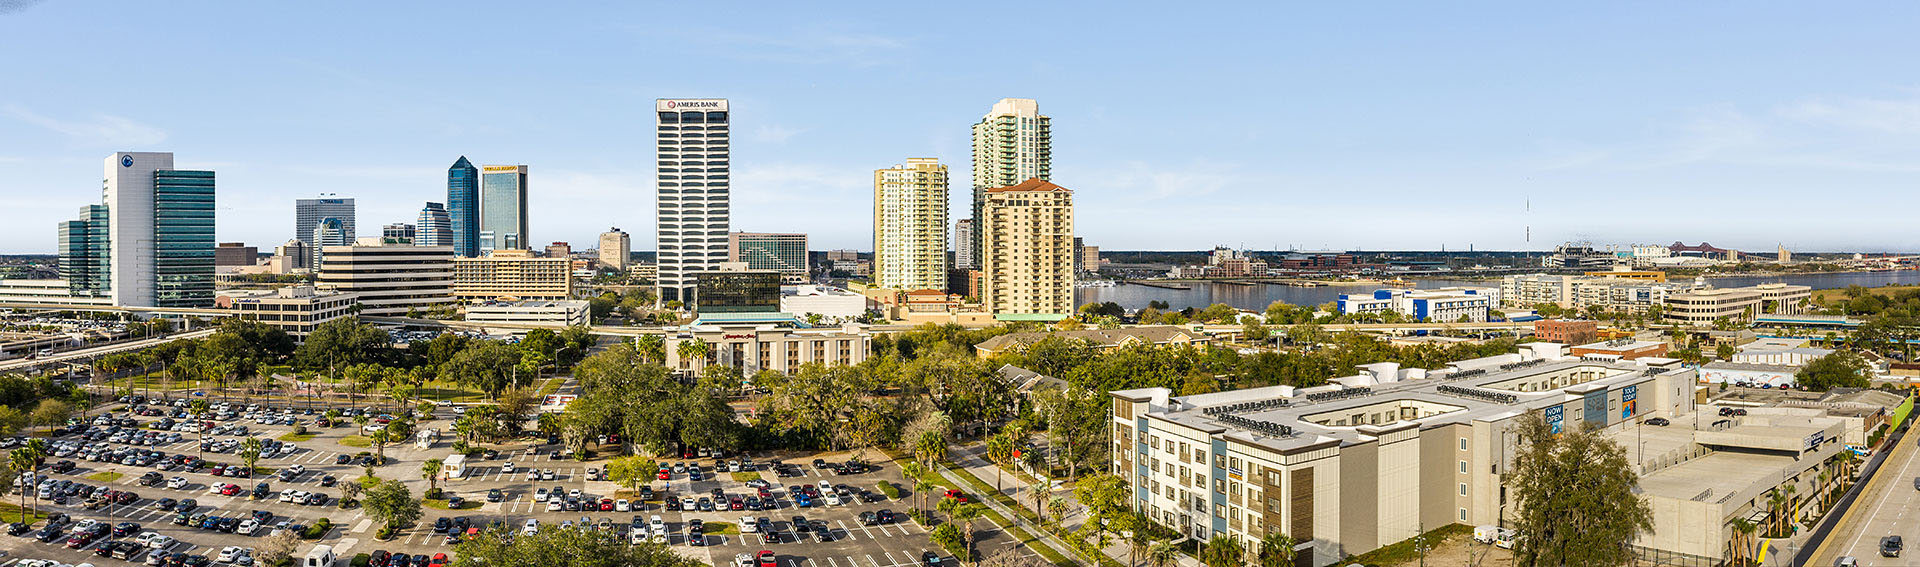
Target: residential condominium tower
x,y
434,227
1011,144
503,207
963,256
463,208
1027,230
160,227
308,212
910,225
615,249
693,206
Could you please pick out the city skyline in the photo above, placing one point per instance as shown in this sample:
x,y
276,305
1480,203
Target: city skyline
x,y
1398,122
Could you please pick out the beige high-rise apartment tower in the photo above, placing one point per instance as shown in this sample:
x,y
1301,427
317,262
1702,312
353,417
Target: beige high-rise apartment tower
x,y
615,248
1026,232
1011,144
910,225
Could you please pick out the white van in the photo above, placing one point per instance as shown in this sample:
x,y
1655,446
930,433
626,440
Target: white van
x,y
320,556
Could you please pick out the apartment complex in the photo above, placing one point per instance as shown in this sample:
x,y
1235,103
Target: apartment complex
x,y
503,208
910,225
1453,304
389,279
463,208
785,253
1027,234
753,348
1703,307
1580,292
693,207
1382,456
1011,144
294,309
963,251
616,249
512,273
1570,332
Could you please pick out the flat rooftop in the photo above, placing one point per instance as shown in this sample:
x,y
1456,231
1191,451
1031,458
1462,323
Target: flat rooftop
x,y
1714,476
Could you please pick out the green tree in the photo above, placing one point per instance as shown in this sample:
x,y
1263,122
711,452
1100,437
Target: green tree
x,y
631,472
1222,551
250,451
393,504
1725,351
1842,369
573,548
1276,550
492,367
1251,328
1575,496
965,515
51,413
25,460
430,470
11,421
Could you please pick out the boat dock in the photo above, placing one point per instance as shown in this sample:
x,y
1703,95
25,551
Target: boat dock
x,y
1160,284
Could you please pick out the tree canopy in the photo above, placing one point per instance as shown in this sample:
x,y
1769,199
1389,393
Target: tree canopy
x,y
1574,494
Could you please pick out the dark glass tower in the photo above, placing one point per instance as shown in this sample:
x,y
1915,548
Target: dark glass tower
x,y
84,251
182,238
463,207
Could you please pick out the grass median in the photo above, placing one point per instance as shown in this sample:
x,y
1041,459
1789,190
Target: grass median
x,y
11,513
297,437
104,476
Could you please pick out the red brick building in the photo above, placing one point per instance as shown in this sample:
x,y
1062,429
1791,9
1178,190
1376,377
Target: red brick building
x,y
1566,332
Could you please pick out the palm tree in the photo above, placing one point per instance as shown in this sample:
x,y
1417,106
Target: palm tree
x,y
1276,550
913,471
430,470
1038,493
1743,531
965,515
250,451
931,447
1000,452
652,348
1162,554
1222,551
920,487
694,348
23,460
1058,508
380,440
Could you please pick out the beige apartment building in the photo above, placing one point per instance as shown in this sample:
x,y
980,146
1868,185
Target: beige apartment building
x,y
755,347
910,225
1703,307
1027,236
1380,457
389,279
615,249
512,273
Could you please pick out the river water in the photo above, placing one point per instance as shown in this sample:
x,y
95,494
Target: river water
x,y
1258,296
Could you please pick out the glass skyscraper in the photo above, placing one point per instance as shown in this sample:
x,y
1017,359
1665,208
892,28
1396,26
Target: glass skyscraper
x,y
84,252
306,212
433,227
503,207
463,208
693,206
183,238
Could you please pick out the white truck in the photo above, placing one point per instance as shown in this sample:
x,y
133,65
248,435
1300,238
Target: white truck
x,y
1495,535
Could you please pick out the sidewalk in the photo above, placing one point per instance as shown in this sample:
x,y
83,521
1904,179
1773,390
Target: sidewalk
x,y
968,457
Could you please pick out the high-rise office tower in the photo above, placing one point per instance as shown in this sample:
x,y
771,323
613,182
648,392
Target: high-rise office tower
x,y
785,253
307,212
327,232
615,249
85,252
434,227
503,207
963,256
692,207
910,225
1027,231
160,224
1011,144
463,207
399,231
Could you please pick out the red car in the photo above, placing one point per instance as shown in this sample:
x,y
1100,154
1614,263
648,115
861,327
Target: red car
x,y
230,490
734,503
766,559
439,560
218,470
606,504
664,475
957,495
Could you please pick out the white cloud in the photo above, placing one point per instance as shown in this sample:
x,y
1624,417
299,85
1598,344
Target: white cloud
x,y
99,129
775,134
1138,181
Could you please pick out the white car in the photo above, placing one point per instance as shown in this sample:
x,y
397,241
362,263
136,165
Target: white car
x,y
546,474
287,495
531,527
622,505
159,542
743,560
507,468
553,505
296,470
145,538
533,474
540,495
214,487
833,498
749,525
575,493
230,553
247,527
177,482
659,526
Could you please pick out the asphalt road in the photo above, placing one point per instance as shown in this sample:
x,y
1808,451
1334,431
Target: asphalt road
x,y
1891,506
849,544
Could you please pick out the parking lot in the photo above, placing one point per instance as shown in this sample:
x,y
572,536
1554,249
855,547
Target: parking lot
x,y
832,536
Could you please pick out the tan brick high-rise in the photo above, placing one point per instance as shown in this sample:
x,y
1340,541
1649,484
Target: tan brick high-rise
x,y
1026,232
910,225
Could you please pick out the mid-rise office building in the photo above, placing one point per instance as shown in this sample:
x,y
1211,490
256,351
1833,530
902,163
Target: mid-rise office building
x,y
693,207
1447,305
296,254
398,231
389,279
749,291
503,208
910,225
327,233
435,227
1705,306
543,312
785,253
298,310
755,347
160,222
463,207
1089,257
963,249
1027,233
616,249
86,252
308,212
233,254
1011,144
516,274
559,250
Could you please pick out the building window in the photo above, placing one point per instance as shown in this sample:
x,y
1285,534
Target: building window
x,y
1463,489
1463,443
1463,514
1463,467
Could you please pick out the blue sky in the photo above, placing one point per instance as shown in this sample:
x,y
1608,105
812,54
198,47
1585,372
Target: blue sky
x,y
1410,125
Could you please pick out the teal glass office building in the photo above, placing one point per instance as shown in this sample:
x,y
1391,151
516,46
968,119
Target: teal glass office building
x,y
84,253
183,238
